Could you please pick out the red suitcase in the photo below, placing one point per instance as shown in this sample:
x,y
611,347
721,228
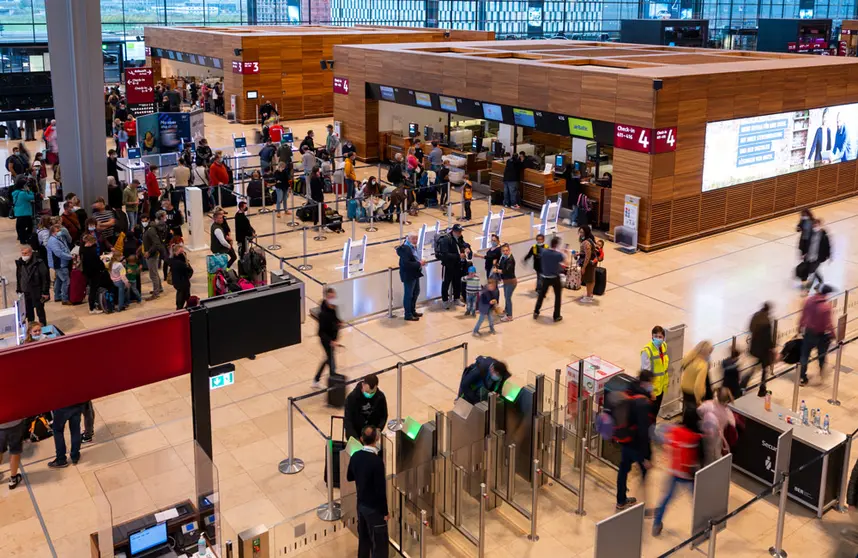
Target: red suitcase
x,y
77,287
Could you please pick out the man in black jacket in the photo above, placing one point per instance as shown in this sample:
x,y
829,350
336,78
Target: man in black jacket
x,y
410,272
244,231
366,470
34,280
452,252
511,178
366,406
818,252
442,177
485,375
633,418
329,331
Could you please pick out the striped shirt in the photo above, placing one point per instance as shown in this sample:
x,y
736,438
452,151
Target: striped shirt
x,y
472,285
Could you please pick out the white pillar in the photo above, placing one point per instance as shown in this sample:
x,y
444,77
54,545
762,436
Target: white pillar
x,y
77,76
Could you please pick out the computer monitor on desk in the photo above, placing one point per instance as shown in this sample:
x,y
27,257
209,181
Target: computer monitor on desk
x,y
150,542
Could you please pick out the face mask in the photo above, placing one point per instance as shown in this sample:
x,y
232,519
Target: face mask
x,y
91,229
368,395
36,337
26,258
580,238
76,208
648,388
657,342
144,224
494,377
494,242
332,301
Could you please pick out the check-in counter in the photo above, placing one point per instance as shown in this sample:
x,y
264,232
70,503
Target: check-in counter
x,y
394,143
601,200
535,186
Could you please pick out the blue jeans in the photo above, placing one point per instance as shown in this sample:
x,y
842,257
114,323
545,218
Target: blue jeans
x,y
132,219
280,195
491,316
72,416
471,307
629,457
409,299
819,341
510,193
671,487
508,288
61,285
350,188
130,291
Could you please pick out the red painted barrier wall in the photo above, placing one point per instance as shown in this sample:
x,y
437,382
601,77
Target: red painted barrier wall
x,y
48,375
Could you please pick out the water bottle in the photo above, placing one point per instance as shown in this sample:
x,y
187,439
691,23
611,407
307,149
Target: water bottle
x,y
818,418
201,546
814,416
803,412
826,424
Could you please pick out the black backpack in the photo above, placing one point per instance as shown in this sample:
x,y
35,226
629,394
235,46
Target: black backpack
x,y
394,173
38,428
439,243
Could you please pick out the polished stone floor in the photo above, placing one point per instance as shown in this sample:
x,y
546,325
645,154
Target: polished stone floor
x,y
143,453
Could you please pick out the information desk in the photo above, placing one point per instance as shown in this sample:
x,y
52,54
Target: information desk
x,y
816,487
535,186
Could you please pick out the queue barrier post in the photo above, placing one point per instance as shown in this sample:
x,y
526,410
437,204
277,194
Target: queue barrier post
x,y
510,473
291,210
481,541
579,410
389,292
795,388
581,479
423,524
291,464
401,224
777,550
329,511
534,504
319,236
371,227
465,355
842,506
353,228
462,211
449,207
264,208
531,225
219,196
229,549
304,266
396,424
273,245
841,328
713,533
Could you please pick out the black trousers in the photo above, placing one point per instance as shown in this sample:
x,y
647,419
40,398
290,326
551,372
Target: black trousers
x,y
24,228
232,257
92,287
329,361
33,307
553,282
182,296
656,404
468,210
452,276
373,541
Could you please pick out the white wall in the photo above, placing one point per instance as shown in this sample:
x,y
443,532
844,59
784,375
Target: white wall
x,y
392,116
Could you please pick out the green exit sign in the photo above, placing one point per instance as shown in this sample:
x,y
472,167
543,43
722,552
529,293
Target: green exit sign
x,y
221,380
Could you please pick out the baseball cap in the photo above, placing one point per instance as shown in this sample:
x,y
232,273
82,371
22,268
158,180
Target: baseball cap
x,y
457,228
472,269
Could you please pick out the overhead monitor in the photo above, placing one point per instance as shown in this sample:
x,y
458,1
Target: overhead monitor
x,y
253,94
448,103
144,540
239,143
134,153
492,112
423,99
387,93
523,117
748,149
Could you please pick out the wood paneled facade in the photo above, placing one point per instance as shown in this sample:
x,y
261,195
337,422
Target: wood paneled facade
x,y
290,75
648,86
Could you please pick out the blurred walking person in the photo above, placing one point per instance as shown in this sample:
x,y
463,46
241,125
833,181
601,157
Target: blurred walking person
x,y
817,324
329,331
683,445
762,344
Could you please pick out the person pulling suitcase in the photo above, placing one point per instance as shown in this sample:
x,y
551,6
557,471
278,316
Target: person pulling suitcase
x,y
329,331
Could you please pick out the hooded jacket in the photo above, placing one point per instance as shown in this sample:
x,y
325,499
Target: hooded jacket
x,y
476,380
409,266
362,411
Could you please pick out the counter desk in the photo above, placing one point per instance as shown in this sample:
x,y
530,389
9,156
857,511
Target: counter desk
x,y
535,186
391,144
816,487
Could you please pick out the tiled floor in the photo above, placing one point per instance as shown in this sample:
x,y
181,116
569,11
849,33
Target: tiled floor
x,y
143,455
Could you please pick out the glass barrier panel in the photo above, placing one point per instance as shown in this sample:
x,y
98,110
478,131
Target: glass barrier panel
x,y
472,477
787,328
104,518
306,531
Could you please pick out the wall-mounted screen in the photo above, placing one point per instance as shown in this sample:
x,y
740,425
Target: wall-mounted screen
x,y
492,112
387,93
253,94
748,149
423,99
448,103
523,117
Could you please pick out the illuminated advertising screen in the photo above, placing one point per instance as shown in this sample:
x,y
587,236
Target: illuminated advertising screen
x,y
524,117
423,100
448,103
387,93
748,149
492,112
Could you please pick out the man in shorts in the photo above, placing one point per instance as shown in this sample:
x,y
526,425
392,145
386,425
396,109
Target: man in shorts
x,y
12,438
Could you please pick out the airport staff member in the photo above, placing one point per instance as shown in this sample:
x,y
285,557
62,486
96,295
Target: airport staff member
x,y
654,358
366,405
366,470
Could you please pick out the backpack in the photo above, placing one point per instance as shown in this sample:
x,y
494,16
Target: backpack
x,y
394,173
615,420
105,300
437,244
244,284
584,203
220,283
38,429
232,281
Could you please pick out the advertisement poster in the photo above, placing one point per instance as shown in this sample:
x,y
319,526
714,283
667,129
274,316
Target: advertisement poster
x,y
172,128
198,126
748,149
631,208
147,133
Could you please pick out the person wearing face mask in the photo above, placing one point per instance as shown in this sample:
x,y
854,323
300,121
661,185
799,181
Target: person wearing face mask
x,y
505,268
34,281
410,272
329,331
492,255
366,470
695,371
485,375
366,405
654,358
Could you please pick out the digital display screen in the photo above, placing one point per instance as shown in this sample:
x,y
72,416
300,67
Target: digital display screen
x,y
748,149
492,112
523,117
412,129
287,138
423,99
387,93
448,103
558,161
148,538
253,94
239,143
134,153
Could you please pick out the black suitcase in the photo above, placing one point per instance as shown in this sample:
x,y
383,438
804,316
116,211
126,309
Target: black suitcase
x,y
337,390
307,213
55,206
601,281
337,446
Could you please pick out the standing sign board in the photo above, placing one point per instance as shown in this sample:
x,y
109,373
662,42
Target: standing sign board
x,y
140,90
631,208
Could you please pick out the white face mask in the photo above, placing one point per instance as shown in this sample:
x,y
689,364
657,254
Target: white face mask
x,y
91,229
26,258
76,208
145,224
36,337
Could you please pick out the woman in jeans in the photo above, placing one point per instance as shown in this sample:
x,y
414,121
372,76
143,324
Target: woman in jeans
x,y
505,267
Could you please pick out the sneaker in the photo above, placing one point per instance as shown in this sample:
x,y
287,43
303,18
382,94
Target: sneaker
x,y
67,303
477,334
656,529
628,503
95,311
516,206
14,481
803,382
58,464
412,319
493,332
506,319
536,315
458,303
558,318
316,385
84,439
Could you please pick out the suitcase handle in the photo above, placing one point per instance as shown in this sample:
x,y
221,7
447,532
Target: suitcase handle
x,y
343,433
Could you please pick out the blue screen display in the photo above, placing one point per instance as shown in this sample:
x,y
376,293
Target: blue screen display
x,y
492,112
148,538
240,143
133,152
387,93
524,117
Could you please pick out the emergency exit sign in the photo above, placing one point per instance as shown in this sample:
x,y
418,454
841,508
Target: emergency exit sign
x,y
221,380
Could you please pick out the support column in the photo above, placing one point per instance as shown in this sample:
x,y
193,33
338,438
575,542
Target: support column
x,y
77,76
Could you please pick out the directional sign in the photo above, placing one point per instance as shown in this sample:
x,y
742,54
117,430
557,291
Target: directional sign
x,y
139,85
633,138
221,380
341,85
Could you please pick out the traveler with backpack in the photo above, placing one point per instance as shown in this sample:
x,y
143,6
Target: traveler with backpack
x,y
410,272
695,373
535,252
588,259
329,330
450,249
34,281
365,406
683,443
817,324
654,358
485,375
12,439
631,412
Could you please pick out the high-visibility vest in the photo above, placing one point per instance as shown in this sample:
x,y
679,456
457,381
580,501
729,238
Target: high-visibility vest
x,y
659,364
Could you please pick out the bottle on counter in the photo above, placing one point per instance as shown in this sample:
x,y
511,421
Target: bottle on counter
x,y
768,402
826,425
813,416
802,412
201,546
818,417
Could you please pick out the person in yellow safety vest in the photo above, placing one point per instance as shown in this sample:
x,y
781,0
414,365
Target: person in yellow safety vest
x,y
654,358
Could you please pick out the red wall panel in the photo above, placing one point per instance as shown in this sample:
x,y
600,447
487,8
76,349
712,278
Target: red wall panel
x,y
52,374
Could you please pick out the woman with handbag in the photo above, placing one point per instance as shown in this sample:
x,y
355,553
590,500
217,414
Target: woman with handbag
x,y
505,267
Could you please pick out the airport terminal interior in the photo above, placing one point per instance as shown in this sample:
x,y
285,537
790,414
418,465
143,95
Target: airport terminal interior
x,y
522,473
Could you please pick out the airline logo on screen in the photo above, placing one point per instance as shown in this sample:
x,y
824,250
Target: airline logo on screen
x,y
580,128
341,85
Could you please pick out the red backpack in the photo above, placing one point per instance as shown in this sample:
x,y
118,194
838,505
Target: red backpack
x,y
220,284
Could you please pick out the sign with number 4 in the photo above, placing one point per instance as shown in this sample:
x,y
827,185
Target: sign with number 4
x,y
665,140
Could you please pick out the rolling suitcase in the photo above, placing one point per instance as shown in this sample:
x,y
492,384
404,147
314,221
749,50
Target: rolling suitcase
x,y
336,446
601,281
77,287
337,390
573,277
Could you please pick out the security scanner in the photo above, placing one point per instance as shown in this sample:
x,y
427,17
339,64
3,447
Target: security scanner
x,y
426,240
492,224
549,216
354,257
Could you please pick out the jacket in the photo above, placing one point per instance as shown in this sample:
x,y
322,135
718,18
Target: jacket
x,y
640,419
451,251
204,155
492,256
366,470
761,344
32,277
91,265
684,446
364,411
506,266
317,188
512,170
693,381
153,243
22,201
243,228
59,256
218,175
72,225
182,271
484,301
476,380
153,189
410,268
535,252
816,315
329,323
